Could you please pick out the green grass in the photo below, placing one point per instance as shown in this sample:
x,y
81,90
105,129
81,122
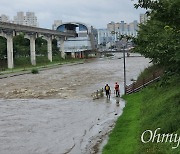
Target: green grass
x,y
41,61
24,64
123,138
156,106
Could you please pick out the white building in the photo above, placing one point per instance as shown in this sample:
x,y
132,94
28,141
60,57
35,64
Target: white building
x,y
143,18
105,36
110,36
29,19
133,28
4,18
56,24
123,28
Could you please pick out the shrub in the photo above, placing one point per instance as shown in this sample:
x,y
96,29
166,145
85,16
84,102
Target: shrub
x,y
34,71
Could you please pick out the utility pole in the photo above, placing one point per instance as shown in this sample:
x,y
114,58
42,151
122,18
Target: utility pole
x,y
124,57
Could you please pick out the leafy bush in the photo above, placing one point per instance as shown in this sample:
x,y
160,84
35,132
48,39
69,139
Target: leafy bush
x,y
34,71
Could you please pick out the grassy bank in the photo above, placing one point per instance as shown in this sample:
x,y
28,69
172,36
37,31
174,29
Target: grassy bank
x,y
154,107
24,64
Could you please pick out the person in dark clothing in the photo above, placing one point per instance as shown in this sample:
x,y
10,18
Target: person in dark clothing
x,y
108,91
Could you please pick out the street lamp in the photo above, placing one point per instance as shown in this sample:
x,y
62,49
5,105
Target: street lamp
x,y
124,59
124,39
124,70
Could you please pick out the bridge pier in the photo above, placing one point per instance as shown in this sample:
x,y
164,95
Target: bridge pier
x,y
73,55
63,54
32,39
49,46
9,38
10,58
8,30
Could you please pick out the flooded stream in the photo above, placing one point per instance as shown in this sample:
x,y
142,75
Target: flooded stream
x,y
53,112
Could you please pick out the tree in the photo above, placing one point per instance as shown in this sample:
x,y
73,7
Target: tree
x,y
21,46
41,46
55,49
3,48
158,39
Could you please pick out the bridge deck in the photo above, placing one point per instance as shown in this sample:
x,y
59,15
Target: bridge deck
x,y
28,29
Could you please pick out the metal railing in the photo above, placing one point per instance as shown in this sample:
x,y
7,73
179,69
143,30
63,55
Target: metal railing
x,y
138,85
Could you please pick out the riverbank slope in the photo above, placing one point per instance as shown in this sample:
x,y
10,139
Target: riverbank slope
x,y
157,106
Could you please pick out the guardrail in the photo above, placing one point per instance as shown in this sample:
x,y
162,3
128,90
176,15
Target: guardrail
x,y
138,85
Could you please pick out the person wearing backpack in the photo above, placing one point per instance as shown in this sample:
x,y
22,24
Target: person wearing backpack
x,y
107,90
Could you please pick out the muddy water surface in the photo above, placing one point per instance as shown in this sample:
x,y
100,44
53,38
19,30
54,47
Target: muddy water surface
x,y
53,112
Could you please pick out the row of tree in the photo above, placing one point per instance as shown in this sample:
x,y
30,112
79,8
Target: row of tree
x,y
159,38
21,47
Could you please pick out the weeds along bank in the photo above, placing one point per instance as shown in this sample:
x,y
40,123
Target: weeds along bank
x,y
23,63
147,116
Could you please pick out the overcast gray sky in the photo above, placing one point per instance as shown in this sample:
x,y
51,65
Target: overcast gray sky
x,y
94,12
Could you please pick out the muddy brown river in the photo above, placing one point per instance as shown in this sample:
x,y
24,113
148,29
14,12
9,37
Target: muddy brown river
x,y
53,112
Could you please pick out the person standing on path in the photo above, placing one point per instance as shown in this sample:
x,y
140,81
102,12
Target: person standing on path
x,y
108,91
117,91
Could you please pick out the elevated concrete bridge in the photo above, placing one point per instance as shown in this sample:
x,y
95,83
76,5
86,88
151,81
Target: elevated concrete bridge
x,y
9,30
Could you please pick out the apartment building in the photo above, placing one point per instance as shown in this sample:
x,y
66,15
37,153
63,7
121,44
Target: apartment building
x,y
28,19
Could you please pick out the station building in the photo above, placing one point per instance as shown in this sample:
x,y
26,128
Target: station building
x,y
85,44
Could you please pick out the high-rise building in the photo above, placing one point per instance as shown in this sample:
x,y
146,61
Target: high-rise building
x,y
117,26
19,18
110,36
133,28
143,18
4,18
104,36
123,28
56,24
111,26
29,19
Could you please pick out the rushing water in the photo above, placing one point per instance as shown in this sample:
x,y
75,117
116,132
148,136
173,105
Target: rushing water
x,y
68,121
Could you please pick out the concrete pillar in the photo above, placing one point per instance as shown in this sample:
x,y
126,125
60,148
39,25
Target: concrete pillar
x,y
63,54
10,51
73,55
32,50
32,39
9,38
49,46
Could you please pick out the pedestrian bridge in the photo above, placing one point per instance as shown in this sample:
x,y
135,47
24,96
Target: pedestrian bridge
x,y
9,30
